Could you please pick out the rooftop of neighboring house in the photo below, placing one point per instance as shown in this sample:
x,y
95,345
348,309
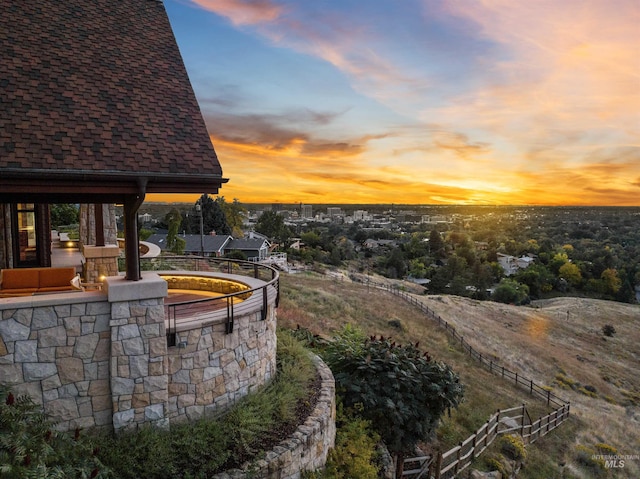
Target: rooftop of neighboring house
x,y
194,243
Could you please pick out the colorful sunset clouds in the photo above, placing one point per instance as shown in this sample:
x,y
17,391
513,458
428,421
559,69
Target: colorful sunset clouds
x,y
419,101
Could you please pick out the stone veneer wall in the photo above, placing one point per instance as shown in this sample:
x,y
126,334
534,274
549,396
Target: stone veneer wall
x,y
57,352
211,370
101,358
308,446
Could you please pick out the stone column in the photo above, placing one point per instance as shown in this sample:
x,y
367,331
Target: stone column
x,y
139,371
98,262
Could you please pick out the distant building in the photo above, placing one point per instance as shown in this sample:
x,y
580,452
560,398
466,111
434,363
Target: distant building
x,y
360,215
434,219
511,264
307,212
333,211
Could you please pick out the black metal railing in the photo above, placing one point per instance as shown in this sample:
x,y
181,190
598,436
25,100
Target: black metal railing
x,y
209,308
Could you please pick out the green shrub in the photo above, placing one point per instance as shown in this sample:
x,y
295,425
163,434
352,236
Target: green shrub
x,y
30,447
492,462
512,446
608,330
355,450
587,457
587,392
605,449
402,390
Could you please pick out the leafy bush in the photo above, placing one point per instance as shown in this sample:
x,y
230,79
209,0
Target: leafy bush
x,y
587,457
30,447
400,389
355,449
512,446
608,330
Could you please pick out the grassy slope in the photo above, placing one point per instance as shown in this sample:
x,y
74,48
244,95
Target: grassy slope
x,y
542,342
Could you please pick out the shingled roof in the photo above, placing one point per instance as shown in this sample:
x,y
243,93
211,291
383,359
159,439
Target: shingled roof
x,y
95,100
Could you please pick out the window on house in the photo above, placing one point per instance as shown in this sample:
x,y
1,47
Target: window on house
x,y
26,234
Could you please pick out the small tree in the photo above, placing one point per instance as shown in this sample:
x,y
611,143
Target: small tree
x,y
400,389
174,220
511,292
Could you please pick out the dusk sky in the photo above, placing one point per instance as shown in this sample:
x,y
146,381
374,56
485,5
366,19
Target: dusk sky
x,y
418,101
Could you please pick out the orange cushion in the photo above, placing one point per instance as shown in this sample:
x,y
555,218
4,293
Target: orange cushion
x,y
55,288
56,277
19,291
19,278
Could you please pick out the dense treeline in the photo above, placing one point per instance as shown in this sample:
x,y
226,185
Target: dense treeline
x,y
581,251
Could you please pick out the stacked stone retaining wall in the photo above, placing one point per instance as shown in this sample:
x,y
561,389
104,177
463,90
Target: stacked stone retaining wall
x,y
308,446
101,358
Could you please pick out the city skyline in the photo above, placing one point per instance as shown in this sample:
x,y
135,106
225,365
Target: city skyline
x,y
418,102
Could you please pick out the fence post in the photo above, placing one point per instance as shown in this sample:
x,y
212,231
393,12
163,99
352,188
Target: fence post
x,y
524,410
548,397
491,366
438,465
531,387
486,436
516,378
455,469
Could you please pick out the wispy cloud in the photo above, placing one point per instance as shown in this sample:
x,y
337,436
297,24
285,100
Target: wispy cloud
x,y
244,12
495,101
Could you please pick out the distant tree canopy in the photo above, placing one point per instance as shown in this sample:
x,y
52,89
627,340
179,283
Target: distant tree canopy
x,y
213,217
175,244
271,224
511,292
63,214
234,214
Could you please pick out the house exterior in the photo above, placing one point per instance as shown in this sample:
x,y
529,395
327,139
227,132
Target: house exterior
x,y
97,108
255,248
205,245
511,264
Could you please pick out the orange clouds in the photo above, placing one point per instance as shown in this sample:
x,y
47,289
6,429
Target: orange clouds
x,y
530,103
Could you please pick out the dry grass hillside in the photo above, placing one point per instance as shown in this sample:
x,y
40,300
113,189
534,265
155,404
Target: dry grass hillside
x,y
557,343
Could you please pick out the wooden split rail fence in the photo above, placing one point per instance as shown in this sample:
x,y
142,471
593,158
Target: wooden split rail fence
x,y
450,463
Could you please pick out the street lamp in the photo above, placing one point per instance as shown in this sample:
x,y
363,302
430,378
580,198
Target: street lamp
x,y
199,211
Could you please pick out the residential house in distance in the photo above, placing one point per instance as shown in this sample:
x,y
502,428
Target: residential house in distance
x,y
255,247
511,264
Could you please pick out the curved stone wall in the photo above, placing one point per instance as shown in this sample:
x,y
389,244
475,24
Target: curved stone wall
x,y
308,446
101,358
210,370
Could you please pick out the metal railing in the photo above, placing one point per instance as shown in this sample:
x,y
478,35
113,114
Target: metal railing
x,y
206,308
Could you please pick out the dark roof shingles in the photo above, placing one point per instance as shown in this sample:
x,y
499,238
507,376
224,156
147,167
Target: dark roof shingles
x,y
97,86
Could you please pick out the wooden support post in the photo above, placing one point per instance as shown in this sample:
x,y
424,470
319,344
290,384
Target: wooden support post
x,y
99,216
132,252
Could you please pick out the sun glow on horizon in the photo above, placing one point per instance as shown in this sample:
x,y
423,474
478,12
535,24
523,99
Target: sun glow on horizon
x,y
468,102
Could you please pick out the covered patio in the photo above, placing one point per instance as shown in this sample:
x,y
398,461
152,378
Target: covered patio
x,y
103,115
